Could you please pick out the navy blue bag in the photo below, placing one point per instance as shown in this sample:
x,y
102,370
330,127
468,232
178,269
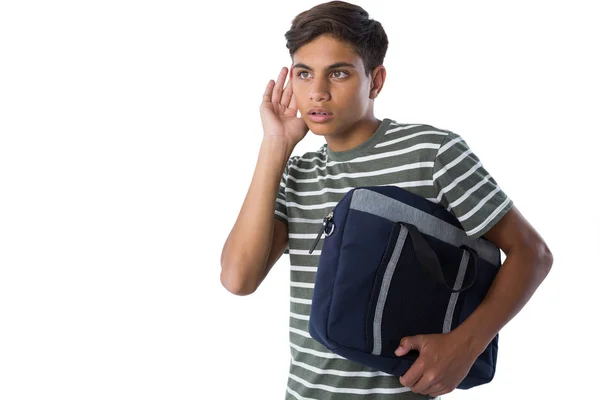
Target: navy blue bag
x,y
394,264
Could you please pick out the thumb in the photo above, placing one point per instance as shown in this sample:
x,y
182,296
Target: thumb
x,y
407,344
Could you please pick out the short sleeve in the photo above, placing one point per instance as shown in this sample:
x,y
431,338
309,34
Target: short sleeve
x,y
280,201
466,189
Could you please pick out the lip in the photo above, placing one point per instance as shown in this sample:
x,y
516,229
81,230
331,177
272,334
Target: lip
x,y
319,118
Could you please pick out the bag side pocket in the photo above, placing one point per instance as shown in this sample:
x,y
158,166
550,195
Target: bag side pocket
x,y
360,251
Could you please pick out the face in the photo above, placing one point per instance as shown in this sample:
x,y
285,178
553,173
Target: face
x,y
327,74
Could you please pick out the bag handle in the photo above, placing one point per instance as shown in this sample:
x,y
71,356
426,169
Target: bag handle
x,y
429,261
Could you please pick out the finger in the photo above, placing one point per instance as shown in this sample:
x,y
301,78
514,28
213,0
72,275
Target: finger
x,y
423,385
293,102
268,91
287,92
407,344
278,88
414,373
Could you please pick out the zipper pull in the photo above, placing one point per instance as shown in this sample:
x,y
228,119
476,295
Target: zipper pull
x,y
321,230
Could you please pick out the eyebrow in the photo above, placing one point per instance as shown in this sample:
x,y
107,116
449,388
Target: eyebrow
x,y
332,66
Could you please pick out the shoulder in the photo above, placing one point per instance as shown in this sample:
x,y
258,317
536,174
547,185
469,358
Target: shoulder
x,y
443,139
416,132
423,138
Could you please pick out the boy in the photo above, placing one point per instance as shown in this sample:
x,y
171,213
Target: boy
x,y
337,55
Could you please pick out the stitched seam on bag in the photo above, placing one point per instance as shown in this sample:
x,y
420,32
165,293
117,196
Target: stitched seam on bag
x,y
387,255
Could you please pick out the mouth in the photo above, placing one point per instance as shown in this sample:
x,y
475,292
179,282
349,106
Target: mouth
x,y
319,116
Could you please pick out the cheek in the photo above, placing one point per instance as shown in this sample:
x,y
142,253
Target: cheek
x,y
352,101
301,95
352,93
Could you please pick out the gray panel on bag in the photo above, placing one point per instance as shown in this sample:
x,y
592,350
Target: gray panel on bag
x,y
383,206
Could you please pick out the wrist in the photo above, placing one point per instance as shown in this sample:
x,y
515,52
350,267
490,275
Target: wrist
x,y
471,340
278,144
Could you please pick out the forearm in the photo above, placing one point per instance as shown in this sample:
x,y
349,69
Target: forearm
x,y
247,247
522,272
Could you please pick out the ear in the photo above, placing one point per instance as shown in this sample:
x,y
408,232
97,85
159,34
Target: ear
x,y
377,81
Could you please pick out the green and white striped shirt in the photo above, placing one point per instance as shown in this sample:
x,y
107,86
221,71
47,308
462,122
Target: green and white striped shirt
x,y
433,163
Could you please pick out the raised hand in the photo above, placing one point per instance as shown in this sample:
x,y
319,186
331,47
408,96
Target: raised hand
x,y
278,112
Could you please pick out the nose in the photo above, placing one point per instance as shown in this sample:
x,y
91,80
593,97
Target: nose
x,y
319,91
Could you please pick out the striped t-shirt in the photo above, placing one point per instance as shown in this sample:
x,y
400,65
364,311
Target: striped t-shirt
x,y
433,163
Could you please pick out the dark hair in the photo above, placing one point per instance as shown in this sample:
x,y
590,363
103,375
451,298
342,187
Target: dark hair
x,y
343,21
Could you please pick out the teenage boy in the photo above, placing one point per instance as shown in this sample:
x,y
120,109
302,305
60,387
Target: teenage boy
x,y
337,73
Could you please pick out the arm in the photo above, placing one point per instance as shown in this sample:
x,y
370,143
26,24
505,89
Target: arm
x,y
474,201
256,240
528,261
445,359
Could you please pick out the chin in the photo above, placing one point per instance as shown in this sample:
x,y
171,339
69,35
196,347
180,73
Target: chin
x,y
319,132
321,129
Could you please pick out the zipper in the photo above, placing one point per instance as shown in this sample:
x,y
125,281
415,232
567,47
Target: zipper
x,y
326,221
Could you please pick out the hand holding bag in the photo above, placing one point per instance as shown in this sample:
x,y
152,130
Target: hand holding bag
x,y
394,264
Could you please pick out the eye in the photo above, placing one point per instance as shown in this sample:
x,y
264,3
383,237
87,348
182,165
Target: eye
x,y
339,72
300,74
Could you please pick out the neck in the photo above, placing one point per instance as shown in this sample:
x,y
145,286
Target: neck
x,y
356,135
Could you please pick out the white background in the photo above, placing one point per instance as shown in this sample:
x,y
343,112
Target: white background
x,y
129,135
